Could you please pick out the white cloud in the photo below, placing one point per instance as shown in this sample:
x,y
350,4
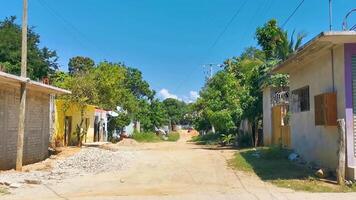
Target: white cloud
x,y
193,96
165,94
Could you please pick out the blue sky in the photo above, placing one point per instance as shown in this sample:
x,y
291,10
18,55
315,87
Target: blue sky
x,y
168,40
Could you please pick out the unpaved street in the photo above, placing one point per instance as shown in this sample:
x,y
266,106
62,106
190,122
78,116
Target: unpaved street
x,y
168,171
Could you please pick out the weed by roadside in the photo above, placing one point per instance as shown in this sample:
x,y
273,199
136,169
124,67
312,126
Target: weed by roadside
x,y
208,139
173,137
146,137
3,191
272,165
152,137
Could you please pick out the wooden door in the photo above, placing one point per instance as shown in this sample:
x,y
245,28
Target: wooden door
x,y
67,129
276,125
280,129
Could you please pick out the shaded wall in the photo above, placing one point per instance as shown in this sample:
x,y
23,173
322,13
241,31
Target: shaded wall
x,y
36,138
318,144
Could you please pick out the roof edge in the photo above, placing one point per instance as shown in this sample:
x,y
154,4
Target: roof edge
x,y
34,83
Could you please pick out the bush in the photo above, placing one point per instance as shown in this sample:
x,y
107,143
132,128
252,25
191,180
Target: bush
x,y
173,137
146,137
244,140
210,139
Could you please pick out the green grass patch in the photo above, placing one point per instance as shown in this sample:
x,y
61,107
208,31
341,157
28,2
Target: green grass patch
x,y
3,191
150,137
146,137
272,165
208,139
173,137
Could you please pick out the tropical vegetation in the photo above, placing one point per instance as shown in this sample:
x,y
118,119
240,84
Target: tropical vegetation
x,y
234,93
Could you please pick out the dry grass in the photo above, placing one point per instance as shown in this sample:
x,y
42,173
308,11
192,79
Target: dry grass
x,y
272,165
3,191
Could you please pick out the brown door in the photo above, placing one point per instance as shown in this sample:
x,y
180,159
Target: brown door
x,y
96,129
67,129
276,125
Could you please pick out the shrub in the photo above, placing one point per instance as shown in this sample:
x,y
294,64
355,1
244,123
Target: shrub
x,y
210,139
146,137
244,140
173,137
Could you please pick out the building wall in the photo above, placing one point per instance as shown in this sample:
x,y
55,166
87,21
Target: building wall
x,y
350,50
102,115
72,110
318,144
36,137
267,120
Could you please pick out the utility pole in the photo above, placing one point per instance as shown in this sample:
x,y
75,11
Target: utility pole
x,y
210,70
330,15
23,92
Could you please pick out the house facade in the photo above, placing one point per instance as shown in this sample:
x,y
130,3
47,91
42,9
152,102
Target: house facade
x,y
322,90
68,117
37,124
100,125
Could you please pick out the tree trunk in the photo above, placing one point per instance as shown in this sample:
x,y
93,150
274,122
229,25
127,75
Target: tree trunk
x,y
256,133
340,171
252,132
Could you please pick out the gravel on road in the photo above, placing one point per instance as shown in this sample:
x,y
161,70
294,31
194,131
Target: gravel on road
x,y
87,161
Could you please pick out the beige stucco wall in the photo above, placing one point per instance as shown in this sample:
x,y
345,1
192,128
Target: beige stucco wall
x,y
318,144
267,120
36,137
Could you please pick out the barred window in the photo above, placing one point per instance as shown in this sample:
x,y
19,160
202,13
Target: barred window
x,y
301,100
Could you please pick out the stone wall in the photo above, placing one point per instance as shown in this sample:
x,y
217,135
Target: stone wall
x,y
36,127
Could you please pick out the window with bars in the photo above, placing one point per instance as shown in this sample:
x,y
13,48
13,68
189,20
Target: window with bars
x,y
301,100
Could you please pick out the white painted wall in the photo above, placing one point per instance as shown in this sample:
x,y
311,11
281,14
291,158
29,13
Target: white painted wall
x,y
318,144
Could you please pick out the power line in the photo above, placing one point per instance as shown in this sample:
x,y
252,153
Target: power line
x,y
216,40
228,24
294,11
77,35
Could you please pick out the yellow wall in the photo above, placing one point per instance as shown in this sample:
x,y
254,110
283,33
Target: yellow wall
x,y
73,111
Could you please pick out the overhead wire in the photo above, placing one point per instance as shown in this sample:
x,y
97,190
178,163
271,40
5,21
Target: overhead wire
x,y
293,13
218,38
76,34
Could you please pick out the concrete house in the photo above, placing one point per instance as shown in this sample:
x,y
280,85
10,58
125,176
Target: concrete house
x,y
322,89
38,119
68,117
101,125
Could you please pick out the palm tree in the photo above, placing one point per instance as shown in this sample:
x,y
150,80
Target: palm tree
x,y
287,47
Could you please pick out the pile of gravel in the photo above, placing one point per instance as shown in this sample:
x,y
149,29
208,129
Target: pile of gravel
x,y
94,161
87,161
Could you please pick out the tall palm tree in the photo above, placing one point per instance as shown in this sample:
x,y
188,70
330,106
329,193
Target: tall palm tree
x,y
288,46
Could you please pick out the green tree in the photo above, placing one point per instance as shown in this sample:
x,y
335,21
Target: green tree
x,y
219,103
275,42
175,110
42,62
135,83
111,87
84,93
151,114
80,64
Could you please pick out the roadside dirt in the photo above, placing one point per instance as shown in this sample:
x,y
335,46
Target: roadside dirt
x,y
169,171
47,164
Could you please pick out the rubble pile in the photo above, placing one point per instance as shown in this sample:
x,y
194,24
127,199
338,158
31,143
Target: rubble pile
x,y
87,161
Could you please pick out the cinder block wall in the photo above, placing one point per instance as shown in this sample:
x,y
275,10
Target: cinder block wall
x,y
36,138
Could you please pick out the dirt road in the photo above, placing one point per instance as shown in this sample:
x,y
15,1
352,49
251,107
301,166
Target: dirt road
x,y
169,171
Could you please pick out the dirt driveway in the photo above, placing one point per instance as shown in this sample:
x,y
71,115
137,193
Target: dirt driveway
x,y
169,171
